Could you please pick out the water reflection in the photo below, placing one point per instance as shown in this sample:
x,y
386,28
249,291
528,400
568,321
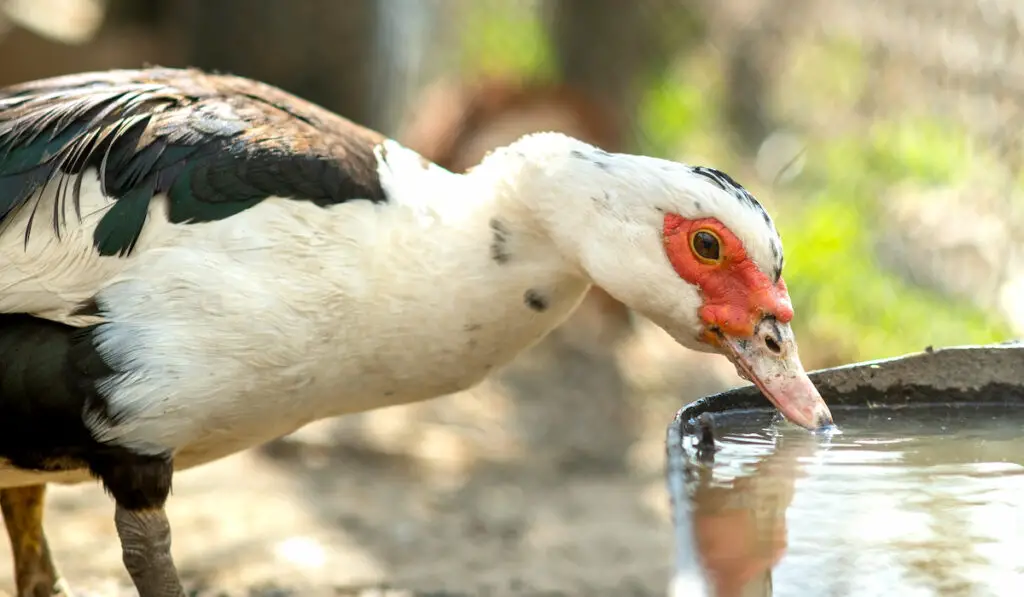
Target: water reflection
x,y
922,503
740,527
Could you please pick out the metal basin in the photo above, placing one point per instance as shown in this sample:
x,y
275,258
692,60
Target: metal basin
x,y
922,492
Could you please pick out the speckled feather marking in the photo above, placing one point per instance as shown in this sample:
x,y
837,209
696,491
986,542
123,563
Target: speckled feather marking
x,y
216,145
728,184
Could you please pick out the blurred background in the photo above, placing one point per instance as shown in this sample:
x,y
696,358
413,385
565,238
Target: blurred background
x,y
882,136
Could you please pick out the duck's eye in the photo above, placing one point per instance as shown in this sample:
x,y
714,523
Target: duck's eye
x,y
706,246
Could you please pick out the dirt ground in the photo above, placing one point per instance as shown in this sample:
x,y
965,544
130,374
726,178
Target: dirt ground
x,y
546,480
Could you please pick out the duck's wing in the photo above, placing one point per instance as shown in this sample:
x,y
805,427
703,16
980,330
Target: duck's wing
x,y
213,145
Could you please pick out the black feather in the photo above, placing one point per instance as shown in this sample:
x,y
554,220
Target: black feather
x,y
48,379
216,145
48,375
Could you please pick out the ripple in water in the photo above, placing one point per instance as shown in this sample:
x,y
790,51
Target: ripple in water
x,y
915,502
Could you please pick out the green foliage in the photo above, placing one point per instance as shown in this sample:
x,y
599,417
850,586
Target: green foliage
x,y
922,150
844,299
679,114
848,306
830,74
505,38
842,295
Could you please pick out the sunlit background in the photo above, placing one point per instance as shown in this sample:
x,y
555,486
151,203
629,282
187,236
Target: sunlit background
x,y
883,136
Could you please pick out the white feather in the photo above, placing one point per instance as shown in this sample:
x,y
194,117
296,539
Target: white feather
x,y
238,331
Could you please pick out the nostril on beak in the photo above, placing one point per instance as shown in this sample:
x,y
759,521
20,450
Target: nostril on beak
x,y
772,344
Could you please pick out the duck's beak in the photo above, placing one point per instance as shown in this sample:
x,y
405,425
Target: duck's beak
x,y
769,359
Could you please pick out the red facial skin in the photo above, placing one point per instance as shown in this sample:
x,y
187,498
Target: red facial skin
x,y
737,294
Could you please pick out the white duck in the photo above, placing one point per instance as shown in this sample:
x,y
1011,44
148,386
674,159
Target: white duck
x,y
191,265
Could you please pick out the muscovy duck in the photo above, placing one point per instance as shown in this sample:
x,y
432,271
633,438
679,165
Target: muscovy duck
x,y
193,264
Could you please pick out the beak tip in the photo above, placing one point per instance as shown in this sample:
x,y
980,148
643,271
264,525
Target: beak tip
x,y
823,421
815,418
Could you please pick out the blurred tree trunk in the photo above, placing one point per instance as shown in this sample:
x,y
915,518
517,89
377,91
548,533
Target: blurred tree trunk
x,y
754,58
745,108
612,50
321,50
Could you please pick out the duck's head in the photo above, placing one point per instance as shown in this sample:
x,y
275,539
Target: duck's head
x,y
685,246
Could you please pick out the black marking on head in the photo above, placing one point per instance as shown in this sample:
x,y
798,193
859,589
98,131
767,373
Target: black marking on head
x,y
775,244
729,185
535,300
579,155
499,241
48,382
726,183
777,268
697,205
215,145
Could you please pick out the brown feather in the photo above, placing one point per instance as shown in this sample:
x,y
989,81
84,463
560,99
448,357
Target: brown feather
x,y
216,144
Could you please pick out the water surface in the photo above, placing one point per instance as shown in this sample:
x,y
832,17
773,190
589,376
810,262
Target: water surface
x,y
910,502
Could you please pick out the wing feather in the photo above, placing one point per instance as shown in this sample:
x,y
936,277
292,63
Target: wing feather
x,y
215,144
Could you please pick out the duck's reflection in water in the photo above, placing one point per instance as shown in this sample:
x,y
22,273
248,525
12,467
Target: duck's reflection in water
x,y
739,526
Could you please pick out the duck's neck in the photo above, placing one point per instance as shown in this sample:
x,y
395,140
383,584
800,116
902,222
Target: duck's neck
x,y
514,209
465,267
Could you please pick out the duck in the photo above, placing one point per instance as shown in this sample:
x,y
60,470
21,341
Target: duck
x,y
195,263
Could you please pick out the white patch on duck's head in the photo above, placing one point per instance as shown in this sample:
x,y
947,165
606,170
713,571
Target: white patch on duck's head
x,y
687,247
744,215
606,212
701,192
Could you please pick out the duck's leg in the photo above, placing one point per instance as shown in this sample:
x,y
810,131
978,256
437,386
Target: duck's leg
x,y
140,486
146,549
35,574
